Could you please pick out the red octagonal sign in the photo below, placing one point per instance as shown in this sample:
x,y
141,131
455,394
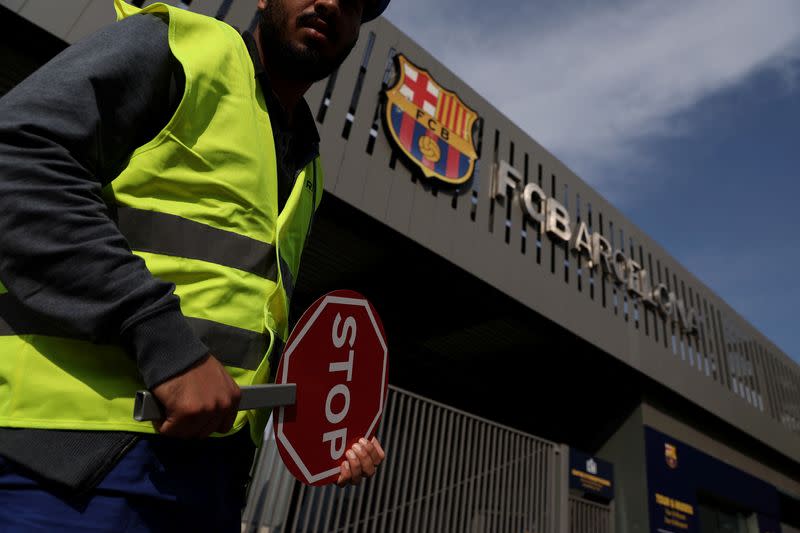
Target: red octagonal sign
x,y
338,358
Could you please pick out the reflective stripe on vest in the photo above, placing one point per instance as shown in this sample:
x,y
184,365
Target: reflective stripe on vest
x,y
232,346
166,234
163,233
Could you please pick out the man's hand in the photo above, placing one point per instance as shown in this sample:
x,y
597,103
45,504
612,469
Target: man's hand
x,y
362,460
198,402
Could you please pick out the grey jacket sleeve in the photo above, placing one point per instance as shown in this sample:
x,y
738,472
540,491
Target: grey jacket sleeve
x,y
66,131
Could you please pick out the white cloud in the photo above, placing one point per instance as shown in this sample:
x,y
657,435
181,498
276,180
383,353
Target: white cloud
x,y
589,80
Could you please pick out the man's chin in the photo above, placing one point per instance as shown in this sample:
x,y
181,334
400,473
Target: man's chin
x,y
303,59
319,50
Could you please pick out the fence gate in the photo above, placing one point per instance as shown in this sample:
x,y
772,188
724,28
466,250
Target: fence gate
x,y
446,471
589,517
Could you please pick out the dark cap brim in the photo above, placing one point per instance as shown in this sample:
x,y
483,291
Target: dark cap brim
x,y
377,8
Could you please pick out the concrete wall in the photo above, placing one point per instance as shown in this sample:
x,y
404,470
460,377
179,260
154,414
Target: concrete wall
x,y
626,451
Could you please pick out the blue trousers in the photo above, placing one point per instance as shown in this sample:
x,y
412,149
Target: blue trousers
x,y
161,484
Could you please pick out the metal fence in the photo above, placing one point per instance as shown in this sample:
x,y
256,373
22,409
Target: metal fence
x,y
270,491
446,471
589,517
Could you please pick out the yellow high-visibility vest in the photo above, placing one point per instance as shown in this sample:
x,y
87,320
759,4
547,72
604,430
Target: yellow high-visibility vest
x,y
199,204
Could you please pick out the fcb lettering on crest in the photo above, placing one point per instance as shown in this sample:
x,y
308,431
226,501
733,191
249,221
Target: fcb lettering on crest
x,y
430,124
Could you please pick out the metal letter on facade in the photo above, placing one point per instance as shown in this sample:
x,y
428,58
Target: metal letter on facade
x,y
620,267
532,201
504,177
635,273
662,298
601,253
646,287
582,244
687,319
557,223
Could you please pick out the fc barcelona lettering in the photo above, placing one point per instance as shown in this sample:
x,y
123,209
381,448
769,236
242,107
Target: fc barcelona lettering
x,y
430,125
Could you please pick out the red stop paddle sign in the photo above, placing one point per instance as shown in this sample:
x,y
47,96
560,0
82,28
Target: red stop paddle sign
x,y
337,357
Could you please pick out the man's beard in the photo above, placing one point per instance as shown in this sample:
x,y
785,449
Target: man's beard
x,y
307,64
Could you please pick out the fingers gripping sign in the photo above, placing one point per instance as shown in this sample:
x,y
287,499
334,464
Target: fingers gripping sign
x,y
337,355
362,460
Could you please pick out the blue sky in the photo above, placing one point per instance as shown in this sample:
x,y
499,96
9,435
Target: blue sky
x,y
685,115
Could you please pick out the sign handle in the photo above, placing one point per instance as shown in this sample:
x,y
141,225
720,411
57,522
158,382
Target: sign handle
x,y
146,407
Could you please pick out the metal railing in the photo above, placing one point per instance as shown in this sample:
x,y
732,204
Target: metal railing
x,y
589,517
446,470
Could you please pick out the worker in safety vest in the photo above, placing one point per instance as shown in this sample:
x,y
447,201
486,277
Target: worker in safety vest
x,y
158,181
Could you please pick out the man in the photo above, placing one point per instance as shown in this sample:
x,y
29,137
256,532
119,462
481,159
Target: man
x,y
169,135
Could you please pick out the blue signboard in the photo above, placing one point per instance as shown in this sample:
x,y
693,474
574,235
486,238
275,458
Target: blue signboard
x,y
677,473
591,475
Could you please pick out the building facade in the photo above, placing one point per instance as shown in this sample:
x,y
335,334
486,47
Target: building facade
x,y
553,367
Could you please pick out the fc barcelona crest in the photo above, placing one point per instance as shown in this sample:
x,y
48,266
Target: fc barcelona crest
x,y
430,124
671,455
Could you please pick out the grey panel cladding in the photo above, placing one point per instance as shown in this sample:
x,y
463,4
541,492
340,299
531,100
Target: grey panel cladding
x,y
725,369
730,368
57,18
96,14
13,5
